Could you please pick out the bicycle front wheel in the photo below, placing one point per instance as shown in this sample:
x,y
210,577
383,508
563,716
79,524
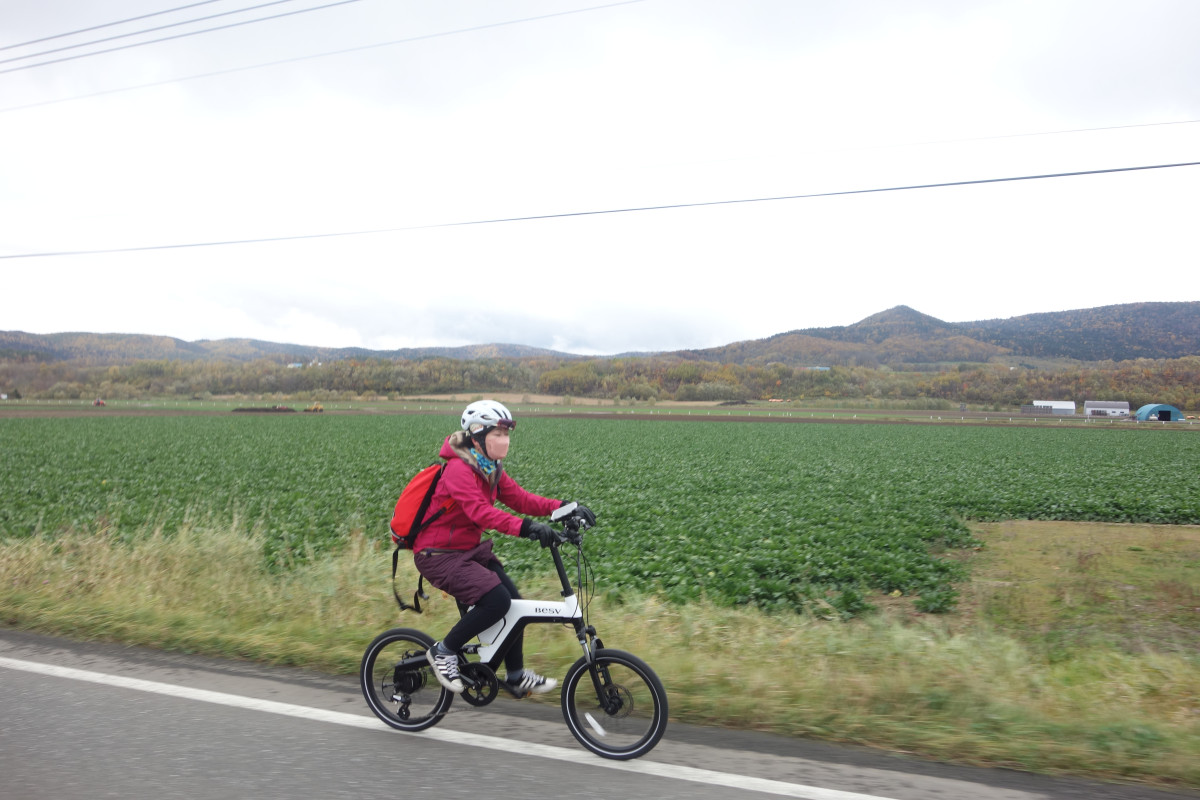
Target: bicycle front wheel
x,y
398,683
615,706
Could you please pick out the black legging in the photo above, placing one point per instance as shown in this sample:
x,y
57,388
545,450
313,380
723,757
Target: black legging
x,y
490,609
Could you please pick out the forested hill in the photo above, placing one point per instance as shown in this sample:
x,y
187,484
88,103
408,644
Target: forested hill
x,y
1116,333
902,335
895,337
116,348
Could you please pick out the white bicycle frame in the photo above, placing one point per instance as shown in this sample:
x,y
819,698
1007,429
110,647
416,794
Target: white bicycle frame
x,y
524,612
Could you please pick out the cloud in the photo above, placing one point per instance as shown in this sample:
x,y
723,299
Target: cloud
x,y
637,106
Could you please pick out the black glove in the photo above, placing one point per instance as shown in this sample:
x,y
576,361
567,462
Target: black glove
x,y
537,530
586,514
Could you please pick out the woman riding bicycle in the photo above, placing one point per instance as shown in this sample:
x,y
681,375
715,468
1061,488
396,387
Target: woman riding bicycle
x,y
453,556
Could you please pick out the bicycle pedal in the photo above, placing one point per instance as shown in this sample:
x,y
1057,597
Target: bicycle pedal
x,y
515,693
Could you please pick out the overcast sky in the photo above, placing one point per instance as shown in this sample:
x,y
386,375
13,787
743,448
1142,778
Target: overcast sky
x,y
382,155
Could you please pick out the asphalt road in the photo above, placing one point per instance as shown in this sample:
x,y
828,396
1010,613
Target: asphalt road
x,y
86,720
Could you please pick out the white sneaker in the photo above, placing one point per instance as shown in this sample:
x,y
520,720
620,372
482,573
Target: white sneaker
x,y
445,667
530,682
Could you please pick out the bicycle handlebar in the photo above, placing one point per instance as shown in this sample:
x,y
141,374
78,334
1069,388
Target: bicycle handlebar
x,y
573,525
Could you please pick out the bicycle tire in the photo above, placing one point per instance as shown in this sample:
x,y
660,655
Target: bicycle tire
x,y
633,716
408,698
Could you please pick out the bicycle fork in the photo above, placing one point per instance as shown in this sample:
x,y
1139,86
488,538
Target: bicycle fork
x,y
607,699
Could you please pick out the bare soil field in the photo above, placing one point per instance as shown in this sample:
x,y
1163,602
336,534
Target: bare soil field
x,y
556,406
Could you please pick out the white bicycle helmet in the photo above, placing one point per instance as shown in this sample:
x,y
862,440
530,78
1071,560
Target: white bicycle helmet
x,y
483,415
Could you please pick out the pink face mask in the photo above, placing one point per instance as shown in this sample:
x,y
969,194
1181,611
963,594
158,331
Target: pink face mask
x,y
497,445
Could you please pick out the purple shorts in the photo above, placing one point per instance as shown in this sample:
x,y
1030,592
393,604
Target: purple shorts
x,y
465,575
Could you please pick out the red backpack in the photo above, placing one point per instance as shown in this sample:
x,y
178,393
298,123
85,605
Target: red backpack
x,y
409,519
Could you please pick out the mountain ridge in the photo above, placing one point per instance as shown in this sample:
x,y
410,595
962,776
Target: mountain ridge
x,y
895,337
903,335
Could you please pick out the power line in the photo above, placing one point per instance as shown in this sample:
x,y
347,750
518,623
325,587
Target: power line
x,y
423,37
106,25
1025,134
345,51
177,36
629,210
141,32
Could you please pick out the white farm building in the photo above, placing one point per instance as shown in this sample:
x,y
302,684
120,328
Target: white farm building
x,y
1058,407
1105,408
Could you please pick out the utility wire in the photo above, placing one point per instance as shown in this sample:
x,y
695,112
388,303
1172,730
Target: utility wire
x,y
564,215
345,51
105,25
440,34
177,36
139,33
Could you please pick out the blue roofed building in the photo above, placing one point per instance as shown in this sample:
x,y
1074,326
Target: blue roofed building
x,y
1159,411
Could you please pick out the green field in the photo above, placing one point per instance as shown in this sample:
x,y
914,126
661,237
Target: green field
x,y
784,516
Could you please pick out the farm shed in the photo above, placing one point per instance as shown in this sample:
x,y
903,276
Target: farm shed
x,y
1160,412
1064,407
1105,408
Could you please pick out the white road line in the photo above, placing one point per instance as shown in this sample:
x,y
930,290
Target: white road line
x,y
710,777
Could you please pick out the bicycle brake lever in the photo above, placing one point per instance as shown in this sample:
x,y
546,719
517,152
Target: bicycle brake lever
x,y
568,536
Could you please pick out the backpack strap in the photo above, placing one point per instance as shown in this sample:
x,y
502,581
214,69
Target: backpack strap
x,y
418,595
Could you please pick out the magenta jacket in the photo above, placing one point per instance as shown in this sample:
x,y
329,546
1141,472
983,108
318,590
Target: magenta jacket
x,y
474,510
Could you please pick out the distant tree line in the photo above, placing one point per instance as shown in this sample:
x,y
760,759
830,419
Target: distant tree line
x,y
1173,381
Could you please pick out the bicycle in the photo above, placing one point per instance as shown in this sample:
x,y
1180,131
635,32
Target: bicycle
x,y
613,702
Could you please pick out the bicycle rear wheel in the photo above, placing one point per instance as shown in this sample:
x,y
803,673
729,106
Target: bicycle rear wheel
x,y
398,683
615,706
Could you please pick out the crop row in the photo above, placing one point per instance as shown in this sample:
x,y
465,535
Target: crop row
x,y
781,515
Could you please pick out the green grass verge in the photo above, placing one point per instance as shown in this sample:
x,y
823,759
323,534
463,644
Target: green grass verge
x,y
1039,669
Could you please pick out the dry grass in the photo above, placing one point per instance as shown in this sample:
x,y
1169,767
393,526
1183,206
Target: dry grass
x,y
1074,649
1135,588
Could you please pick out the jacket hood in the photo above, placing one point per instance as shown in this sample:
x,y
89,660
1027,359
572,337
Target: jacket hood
x,y
458,445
